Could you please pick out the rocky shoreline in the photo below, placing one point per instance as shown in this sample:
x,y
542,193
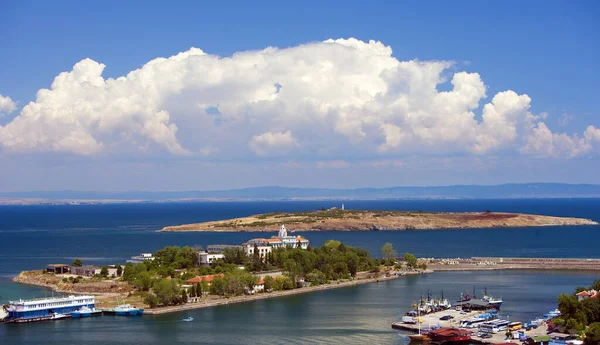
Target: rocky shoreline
x,y
358,220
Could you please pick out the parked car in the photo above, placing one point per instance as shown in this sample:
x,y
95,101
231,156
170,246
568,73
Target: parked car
x,y
446,317
485,336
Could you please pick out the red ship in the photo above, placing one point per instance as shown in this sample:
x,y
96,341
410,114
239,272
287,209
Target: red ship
x,y
447,335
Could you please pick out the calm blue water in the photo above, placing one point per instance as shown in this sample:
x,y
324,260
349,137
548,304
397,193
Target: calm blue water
x,y
32,236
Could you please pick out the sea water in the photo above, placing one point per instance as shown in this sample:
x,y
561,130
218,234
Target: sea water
x,y
33,236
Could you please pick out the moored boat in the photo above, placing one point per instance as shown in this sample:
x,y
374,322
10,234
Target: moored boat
x,y
58,316
86,312
419,337
188,319
44,309
493,302
447,335
125,310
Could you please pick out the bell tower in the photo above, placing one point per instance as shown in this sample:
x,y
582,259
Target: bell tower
x,y
282,231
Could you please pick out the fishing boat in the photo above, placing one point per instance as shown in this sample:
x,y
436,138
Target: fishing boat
x,y
124,310
86,312
493,302
188,319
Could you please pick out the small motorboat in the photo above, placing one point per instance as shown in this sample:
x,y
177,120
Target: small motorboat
x,y
188,319
58,316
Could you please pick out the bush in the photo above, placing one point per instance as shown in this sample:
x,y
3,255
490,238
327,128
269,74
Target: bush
x,y
77,263
151,300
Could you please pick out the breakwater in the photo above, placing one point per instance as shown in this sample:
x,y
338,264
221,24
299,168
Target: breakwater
x,y
501,263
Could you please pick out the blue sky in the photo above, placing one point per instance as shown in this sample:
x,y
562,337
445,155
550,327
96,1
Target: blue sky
x,y
546,50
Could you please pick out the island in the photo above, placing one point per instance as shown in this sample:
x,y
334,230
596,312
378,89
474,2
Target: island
x,y
369,220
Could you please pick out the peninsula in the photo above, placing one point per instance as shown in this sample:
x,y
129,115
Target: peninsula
x,y
365,220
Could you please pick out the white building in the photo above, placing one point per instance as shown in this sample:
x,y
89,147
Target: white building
x,y
260,244
139,259
206,259
282,240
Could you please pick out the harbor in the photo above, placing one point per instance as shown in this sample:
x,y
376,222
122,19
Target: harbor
x,y
476,320
432,321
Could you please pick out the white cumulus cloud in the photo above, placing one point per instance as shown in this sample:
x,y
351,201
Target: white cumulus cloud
x,y
273,144
7,105
340,98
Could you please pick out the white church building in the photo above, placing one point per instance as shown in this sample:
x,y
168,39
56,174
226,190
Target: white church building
x,y
282,240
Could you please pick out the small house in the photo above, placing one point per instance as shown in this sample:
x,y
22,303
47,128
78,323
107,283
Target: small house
x,y
85,271
58,268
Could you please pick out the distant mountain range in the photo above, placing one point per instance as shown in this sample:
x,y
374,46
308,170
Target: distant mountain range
x,y
522,190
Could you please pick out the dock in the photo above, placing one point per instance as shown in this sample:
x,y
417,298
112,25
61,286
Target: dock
x,y
433,320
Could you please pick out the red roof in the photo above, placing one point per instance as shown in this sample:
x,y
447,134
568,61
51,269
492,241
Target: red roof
x,y
260,282
590,293
200,279
447,331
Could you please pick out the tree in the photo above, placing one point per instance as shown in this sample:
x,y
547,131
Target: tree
x,y
218,286
596,285
167,291
119,270
316,277
286,282
388,251
184,296
411,260
567,305
292,269
204,287
77,263
198,290
104,271
151,300
268,283
256,259
592,334
332,244
352,261
132,271
143,281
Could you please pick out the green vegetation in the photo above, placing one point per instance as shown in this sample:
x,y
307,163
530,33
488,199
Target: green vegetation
x,y
582,316
388,251
167,292
104,271
77,263
411,260
160,281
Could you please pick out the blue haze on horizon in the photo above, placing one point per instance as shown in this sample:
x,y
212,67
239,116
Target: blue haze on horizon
x,y
234,132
